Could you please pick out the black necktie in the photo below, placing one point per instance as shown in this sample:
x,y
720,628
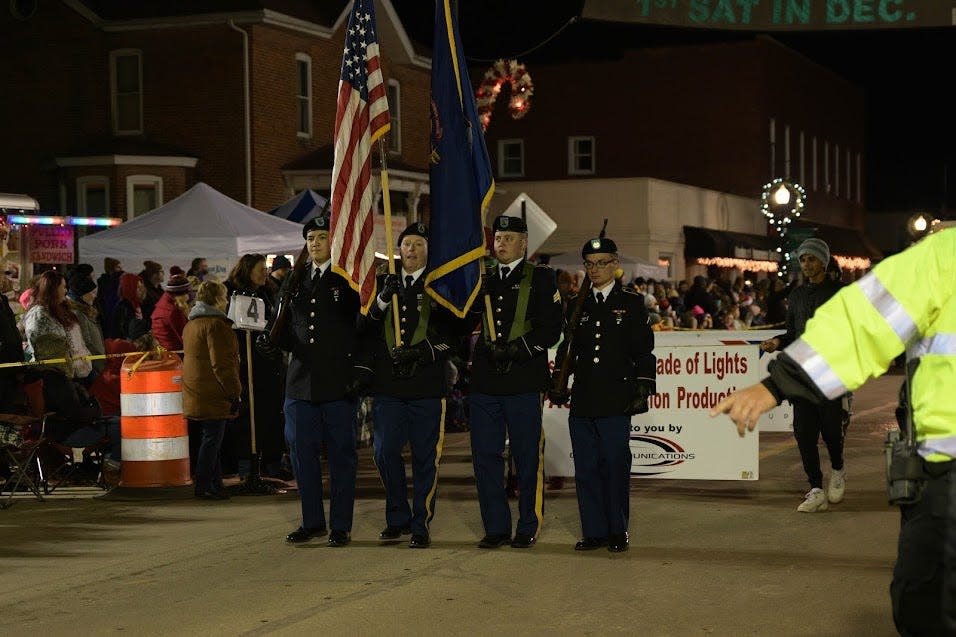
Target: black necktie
x,y
600,298
504,272
409,279
316,274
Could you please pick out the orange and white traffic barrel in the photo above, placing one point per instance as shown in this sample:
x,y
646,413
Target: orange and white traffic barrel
x,y
155,436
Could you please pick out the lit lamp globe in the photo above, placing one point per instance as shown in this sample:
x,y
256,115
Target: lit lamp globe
x,y
781,202
919,224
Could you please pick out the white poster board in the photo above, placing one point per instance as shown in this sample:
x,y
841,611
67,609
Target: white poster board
x,y
247,312
677,438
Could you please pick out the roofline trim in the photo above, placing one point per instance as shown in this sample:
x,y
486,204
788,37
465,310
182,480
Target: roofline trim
x,y
126,160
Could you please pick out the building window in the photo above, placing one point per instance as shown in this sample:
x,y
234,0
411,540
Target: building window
x,y
849,169
511,158
580,155
826,167
836,170
859,178
303,95
786,151
126,88
92,196
143,193
395,117
803,160
773,146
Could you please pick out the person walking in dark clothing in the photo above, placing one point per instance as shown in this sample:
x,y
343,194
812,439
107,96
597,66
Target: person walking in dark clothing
x,y
810,420
410,388
321,387
615,373
509,378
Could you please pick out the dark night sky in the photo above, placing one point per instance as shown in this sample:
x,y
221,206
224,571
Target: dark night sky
x,y
904,72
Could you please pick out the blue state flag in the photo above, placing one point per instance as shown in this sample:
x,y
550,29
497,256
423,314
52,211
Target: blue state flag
x,y
460,176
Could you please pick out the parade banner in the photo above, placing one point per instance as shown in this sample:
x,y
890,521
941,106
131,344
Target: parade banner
x,y
677,438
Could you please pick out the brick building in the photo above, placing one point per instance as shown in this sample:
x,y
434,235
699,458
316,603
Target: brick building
x,y
116,107
670,137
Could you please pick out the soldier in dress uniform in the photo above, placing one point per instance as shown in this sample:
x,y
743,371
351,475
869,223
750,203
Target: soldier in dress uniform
x,y
509,378
320,332
614,375
409,388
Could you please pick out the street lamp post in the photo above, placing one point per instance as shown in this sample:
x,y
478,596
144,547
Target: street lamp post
x,y
782,201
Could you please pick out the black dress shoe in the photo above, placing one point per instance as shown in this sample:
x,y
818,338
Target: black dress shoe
x,y
301,535
590,543
419,541
394,532
523,541
617,542
212,495
339,538
494,541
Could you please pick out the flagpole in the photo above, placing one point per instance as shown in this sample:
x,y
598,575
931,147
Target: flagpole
x,y
387,201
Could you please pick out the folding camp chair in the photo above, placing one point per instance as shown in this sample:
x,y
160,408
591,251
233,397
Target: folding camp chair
x,y
21,438
59,462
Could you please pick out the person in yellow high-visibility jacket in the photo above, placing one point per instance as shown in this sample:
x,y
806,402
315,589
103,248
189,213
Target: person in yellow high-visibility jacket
x,y
906,304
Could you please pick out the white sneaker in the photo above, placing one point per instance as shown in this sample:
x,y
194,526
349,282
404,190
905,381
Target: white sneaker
x,y
837,485
814,501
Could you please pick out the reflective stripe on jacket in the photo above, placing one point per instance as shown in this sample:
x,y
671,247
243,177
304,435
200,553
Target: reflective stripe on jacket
x,y
907,303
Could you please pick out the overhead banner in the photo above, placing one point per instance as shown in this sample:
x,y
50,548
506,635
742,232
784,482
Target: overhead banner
x,y
777,15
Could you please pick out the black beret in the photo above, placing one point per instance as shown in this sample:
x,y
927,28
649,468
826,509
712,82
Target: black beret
x,y
417,228
84,268
315,223
598,244
510,224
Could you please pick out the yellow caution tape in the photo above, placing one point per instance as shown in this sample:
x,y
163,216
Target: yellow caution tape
x,y
90,357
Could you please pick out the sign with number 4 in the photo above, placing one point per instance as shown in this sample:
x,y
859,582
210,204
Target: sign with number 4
x,y
247,312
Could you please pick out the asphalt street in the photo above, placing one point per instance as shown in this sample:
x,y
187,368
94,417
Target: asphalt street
x,y
706,558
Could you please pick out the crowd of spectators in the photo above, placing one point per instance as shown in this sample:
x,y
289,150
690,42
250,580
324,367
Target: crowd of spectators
x,y
705,303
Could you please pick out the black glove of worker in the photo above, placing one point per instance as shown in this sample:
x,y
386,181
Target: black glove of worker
x,y
499,353
641,391
391,286
407,358
360,383
558,396
267,349
234,406
410,354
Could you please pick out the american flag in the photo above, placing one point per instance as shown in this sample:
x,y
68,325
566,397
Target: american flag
x,y
361,118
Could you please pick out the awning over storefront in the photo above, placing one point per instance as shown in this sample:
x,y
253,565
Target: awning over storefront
x,y
708,243
845,242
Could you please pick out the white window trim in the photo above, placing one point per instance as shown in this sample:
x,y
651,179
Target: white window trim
x,y
139,56
303,57
501,157
82,186
142,180
571,156
395,115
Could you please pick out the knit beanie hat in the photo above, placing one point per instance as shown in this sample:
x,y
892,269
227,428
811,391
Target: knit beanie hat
x,y
177,284
815,247
79,284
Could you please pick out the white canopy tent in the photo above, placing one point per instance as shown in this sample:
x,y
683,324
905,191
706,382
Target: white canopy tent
x,y
202,222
